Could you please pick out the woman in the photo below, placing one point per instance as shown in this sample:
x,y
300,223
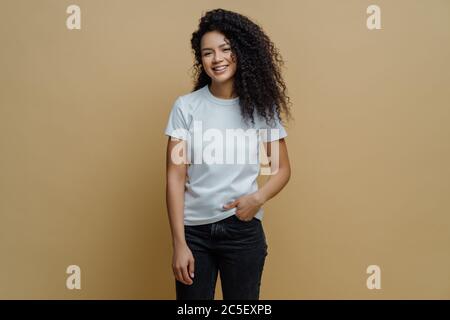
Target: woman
x,y
213,201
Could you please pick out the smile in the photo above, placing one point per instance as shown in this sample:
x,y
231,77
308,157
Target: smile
x,y
219,69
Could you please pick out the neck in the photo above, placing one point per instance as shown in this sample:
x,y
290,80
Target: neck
x,y
223,90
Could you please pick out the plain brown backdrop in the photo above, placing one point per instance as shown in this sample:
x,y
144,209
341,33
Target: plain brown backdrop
x,y
82,147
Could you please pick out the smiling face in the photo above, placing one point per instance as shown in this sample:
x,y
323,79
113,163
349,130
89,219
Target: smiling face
x,y
217,58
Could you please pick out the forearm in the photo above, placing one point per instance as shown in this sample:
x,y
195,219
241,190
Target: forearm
x,y
175,209
274,184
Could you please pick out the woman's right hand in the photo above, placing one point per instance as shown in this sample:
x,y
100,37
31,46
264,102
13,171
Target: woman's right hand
x,y
183,264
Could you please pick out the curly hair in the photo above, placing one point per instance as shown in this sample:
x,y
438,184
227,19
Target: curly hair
x,y
258,81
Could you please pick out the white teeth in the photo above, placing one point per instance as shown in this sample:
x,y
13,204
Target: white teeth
x,y
219,68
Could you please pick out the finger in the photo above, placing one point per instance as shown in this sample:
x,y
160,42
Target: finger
x,y
191,268
228,204
178,275
232,204
241,217
186,277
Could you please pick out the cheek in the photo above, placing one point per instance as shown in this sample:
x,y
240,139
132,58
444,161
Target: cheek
x,y
233,68
206,66
233,64
206,61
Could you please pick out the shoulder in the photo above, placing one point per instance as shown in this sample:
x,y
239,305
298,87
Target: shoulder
x,y
193,97
188,102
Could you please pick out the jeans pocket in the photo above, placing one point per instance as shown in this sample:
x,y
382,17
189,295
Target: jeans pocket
x,y
243,221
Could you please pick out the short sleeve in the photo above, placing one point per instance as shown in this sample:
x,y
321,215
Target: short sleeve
x,y
273,131
177,125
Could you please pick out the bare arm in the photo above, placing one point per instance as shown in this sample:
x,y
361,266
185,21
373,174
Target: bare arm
x,y
176,167
280,168
175,181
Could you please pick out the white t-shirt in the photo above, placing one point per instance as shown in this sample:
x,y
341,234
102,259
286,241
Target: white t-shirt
x,y
223,152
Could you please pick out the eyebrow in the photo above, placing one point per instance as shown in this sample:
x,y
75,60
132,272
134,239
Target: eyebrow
x,y
223,44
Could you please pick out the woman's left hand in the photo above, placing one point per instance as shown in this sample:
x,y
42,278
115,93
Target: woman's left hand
x,y
246,206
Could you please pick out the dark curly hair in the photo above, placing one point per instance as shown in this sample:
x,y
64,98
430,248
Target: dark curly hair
x,y
258,81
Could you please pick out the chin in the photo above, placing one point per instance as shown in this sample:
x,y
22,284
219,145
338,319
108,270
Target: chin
x,y
221,79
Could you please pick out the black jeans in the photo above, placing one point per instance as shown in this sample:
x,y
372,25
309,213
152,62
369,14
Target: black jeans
x,y
235,248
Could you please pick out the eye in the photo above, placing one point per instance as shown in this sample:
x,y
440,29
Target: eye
x,y
227,49
207,54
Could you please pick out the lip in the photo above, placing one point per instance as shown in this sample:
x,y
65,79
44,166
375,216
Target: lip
x,y
220,71
225,65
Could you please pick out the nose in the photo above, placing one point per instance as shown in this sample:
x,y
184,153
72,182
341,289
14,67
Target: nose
x,y
217,57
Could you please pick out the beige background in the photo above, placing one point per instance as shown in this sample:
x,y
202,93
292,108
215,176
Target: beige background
x,y
82,166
